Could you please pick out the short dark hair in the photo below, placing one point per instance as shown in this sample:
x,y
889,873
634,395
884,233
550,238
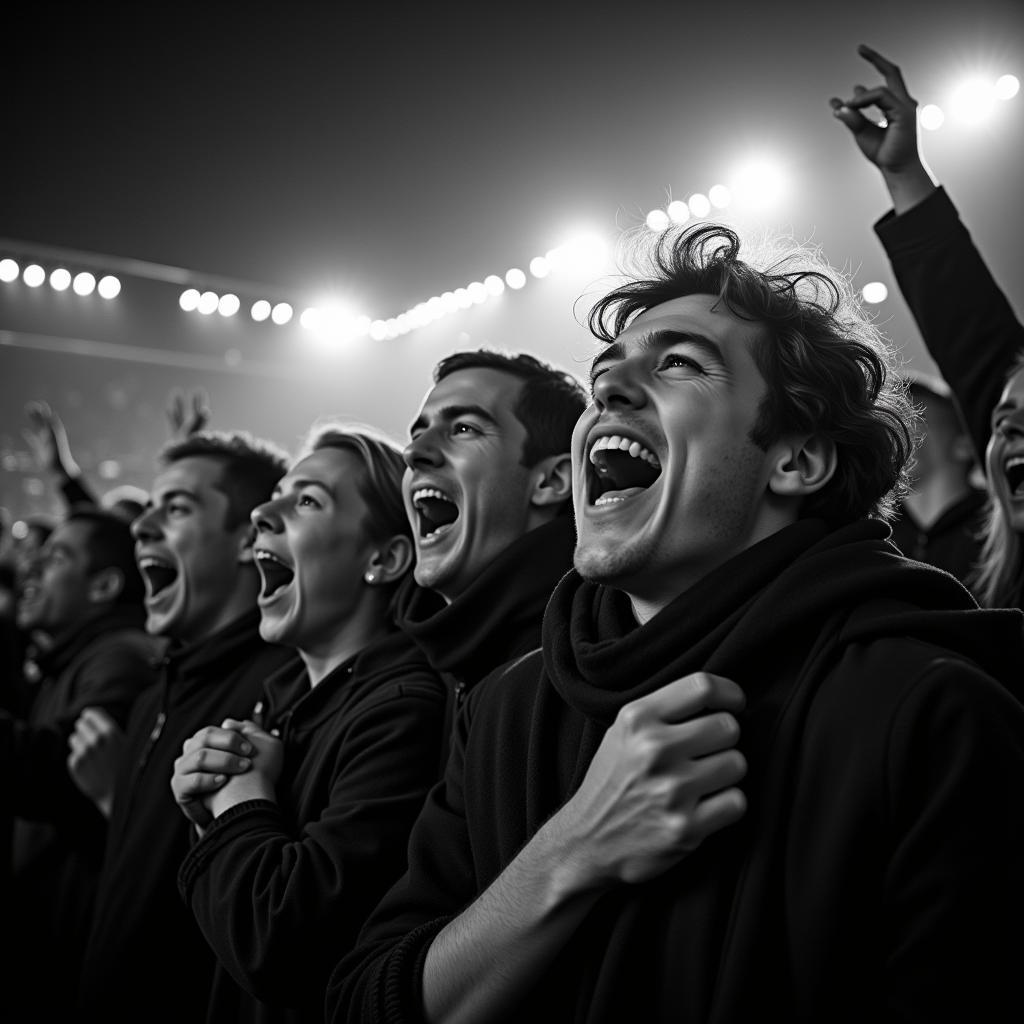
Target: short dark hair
x,y
383,467
111,546
549,403
826,367
251,467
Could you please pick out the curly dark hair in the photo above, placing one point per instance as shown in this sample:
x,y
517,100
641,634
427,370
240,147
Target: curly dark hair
x,y
826,367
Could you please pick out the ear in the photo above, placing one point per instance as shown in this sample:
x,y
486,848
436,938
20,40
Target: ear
x,y
245,538
803,465
551,480
105,585
390,562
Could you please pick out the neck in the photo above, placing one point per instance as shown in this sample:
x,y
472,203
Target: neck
x,y
323,656
931,497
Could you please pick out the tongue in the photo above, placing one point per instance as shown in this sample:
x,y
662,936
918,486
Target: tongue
x,y
619,470
158,577
275,575
435,513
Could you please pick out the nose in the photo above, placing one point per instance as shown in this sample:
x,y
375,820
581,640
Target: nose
x,y
422,451
267,517
144,526
619,387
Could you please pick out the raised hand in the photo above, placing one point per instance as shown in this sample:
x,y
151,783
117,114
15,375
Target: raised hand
x,y
96,747
48,440
892,145
187,416
208,760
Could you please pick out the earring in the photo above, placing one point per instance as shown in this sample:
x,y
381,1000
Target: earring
x,y
369,577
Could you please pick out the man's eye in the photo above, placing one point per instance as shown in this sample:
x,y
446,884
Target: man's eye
x,y
177,508
307,501
464,428
674,360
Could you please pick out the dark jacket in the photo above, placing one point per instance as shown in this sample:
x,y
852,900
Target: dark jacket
x,y
147,959
281,889
58,834
968,326
497,618
877,872
952,543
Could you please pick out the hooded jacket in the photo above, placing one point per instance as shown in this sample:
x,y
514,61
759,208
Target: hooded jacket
x,y
147,959
876,874
280,889
497,618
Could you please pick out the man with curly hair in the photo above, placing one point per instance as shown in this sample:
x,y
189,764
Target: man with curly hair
x,y
764,767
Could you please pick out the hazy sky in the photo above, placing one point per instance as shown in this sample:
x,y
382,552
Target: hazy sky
x,y
388,154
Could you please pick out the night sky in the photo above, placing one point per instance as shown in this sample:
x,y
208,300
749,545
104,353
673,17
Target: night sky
x,y
388,154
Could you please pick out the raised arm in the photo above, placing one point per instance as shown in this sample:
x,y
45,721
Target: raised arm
x,y
965,321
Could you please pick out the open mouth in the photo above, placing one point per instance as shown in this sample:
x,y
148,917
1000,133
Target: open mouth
x,y
157,574
622,468
273,573
1013,468
434,510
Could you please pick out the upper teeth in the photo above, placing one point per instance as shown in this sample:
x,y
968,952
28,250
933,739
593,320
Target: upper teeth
x,y
1017,460
148,561
267,556
429,492
624,444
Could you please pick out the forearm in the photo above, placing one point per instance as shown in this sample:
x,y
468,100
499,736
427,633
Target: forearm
x,y
496,950
908,186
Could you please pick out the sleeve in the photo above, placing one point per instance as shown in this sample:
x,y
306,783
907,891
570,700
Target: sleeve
x,y
954,885
75,491
35,755
280,903
381,978
967,324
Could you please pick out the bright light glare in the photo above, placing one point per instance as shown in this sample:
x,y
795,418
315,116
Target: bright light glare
x,y
462,297
33,275
494,284
759,183
9,271
477,292
84,283
973,100
585,251
932,117
515,278
1007,86
60,279
720,196
189,299
556,257
699,205
657,220
208,303
875,292
281,313
260,310
678,211
378,330
310,319
109,287
228,305
539,267
449,302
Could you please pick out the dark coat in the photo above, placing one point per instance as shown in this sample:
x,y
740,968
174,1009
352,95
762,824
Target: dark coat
x,y
58,833
147,959
281,889
877,873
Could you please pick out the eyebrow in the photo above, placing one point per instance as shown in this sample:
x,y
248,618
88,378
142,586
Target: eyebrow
x,y
179,492
300,482
659,340
448,413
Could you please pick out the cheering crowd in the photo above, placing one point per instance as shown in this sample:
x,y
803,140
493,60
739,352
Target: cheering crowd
x,y
690,695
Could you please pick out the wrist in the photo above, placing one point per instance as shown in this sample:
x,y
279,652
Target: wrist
x,y
908,186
